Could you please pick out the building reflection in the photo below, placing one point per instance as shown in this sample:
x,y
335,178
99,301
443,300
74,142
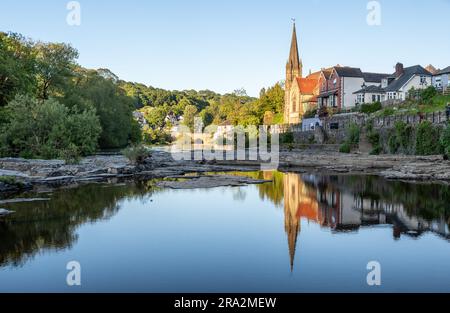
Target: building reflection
x,y
345,204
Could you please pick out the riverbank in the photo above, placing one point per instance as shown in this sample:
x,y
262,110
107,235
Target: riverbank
x,y
20,174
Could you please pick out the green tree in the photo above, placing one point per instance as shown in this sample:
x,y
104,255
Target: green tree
x,y
190,112
54,65
17,66
47,130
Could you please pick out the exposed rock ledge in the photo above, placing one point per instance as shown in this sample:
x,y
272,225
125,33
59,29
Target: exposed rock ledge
x,y
208,181
113,168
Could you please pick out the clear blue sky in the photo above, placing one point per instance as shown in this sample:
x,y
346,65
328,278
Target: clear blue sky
x,y
225,45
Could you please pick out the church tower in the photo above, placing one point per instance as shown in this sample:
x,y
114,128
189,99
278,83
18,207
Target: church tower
x,y
294,68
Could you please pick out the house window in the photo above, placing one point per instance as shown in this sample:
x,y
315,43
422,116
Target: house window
x,y
374,98
333,101
294,105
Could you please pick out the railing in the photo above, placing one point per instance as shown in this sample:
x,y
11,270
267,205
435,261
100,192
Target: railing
x,y
389,121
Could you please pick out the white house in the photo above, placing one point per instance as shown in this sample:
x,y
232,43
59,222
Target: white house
x,y
404,79
441,80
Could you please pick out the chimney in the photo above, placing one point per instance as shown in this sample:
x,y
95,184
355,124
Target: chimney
x,y
399,70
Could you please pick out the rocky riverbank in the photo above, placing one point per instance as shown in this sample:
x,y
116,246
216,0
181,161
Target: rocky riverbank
x,y
19,174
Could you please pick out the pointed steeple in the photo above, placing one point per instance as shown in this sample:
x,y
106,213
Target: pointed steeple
x,y
294,59
294,63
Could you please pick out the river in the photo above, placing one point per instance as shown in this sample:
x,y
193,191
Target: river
x,y
300,233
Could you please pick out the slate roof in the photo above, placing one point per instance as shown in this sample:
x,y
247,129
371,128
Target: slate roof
x,y
375,77
409,72
444,71
370,89
349,71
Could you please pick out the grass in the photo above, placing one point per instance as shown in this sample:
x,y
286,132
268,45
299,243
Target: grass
x,y
412,107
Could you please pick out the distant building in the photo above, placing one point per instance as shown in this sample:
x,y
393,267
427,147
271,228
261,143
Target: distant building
x,y
441,79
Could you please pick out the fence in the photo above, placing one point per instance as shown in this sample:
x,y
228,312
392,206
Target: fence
x,y
343,121
389,121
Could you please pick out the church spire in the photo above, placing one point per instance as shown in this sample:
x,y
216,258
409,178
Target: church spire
x,y
294,59
294,64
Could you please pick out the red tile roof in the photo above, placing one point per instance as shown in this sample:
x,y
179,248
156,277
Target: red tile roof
x,y
306,85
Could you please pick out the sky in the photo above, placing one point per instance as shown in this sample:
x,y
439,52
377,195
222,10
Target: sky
x,y
231,44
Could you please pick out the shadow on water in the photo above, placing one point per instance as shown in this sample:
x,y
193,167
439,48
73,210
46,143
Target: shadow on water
x,y
339,203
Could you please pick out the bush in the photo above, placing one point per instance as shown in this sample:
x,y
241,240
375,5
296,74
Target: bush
x,y
345,148
445,140
310,113
353,134
71,154
428,94
369,108
401,138
377,150
156,136
11,181
427,139
136,154
287,138
48,130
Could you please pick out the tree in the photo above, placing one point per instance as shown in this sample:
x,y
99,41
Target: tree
x,y
54,64
17,67
48,130
189,115
112,106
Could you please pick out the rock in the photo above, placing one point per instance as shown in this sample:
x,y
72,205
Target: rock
x,y
19,200
4,212
61,172
210,181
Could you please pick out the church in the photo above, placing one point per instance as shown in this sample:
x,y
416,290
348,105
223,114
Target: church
x,y
300,92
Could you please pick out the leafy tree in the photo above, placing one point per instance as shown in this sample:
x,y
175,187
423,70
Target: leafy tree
x,y
48,130
113,107
54,66
190,113
17,66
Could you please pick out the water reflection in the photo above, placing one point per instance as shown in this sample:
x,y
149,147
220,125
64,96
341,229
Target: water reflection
x,y
346,203
336,203
44,225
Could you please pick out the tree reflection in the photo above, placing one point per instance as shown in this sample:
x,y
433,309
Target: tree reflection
x,y
37,226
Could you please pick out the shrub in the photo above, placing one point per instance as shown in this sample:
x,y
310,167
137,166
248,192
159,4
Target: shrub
x,y
345,148
353,134
428,94
401,139
12,181
310,113
376,150
445,140
287,138
47,130
70,155
369,108
136,154
427,139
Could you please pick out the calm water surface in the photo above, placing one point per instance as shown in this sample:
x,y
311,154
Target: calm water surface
x,y
301,233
